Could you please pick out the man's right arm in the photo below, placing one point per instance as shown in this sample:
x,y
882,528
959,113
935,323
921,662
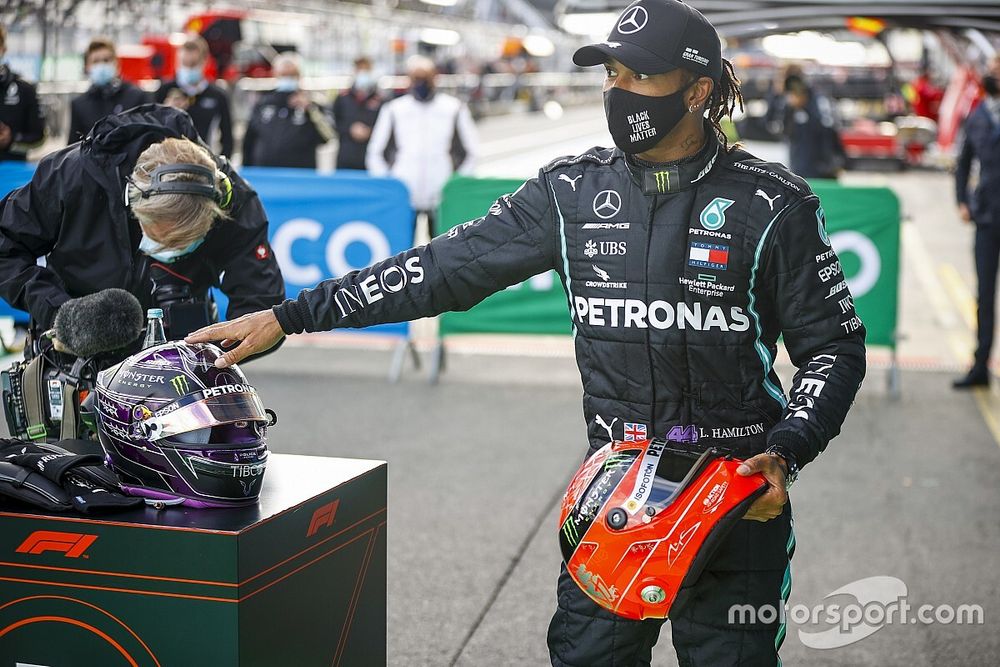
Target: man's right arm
x,y
30,218
455,271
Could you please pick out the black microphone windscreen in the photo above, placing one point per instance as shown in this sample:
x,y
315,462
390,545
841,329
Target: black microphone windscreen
x,y
100,322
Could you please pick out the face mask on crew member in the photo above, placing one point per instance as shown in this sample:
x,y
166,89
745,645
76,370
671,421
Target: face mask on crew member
x,y
365,81
166,255
638,122
286,84
189,76
101,74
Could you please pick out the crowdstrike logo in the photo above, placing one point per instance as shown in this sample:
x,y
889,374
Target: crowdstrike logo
x,y
605,279
636,314
633,20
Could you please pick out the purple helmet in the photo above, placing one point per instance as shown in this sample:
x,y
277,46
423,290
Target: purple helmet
x,y
176,429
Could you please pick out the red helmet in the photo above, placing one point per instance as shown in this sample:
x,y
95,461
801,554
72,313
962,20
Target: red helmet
x,y
640,520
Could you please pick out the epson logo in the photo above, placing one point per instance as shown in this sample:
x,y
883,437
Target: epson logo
x,y
633,313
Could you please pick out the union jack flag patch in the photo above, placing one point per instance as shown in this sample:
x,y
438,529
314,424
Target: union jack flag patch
x,y
634,432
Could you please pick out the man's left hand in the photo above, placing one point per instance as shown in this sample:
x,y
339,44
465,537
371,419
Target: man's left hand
x,y
769,505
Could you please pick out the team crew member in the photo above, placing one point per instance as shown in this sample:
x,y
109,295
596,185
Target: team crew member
x,y
285,127
354,113
109,212
683,260
423,137
982,207
108,93
205,102
22,121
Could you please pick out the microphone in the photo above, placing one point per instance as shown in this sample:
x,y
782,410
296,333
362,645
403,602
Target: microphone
x,y
99,322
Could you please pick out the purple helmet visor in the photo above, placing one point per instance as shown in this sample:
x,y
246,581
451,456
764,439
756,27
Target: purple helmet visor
x,y
230,414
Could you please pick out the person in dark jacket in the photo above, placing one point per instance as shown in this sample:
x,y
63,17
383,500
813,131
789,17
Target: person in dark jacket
x,y
354,113
285,127
108,93
205,102
162,247
982,207
683,260
22,120
814,146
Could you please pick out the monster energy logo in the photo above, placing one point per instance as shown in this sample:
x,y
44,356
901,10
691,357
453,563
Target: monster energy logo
x,y
570,532
662,180
180,384
617,461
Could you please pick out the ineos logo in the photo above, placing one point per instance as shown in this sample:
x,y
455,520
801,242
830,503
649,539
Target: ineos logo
x,y
607,203
633,21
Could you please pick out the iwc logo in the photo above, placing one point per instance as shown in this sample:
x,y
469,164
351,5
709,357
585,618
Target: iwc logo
x,y
713,216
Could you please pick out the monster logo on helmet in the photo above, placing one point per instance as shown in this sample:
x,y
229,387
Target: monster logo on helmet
x,y
199,441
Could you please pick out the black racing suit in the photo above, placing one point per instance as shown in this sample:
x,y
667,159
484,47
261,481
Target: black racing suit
x,y
679,280
73,214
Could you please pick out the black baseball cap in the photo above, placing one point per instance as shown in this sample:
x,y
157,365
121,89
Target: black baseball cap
x,y
657,36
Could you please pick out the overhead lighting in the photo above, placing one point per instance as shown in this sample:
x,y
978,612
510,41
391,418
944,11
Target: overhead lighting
x,y
440,37
823,49
440,3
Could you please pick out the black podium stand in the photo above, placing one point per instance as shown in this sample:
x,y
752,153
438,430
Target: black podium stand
x,y
295,581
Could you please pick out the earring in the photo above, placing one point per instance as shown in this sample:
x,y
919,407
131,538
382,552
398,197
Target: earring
x,y
692,108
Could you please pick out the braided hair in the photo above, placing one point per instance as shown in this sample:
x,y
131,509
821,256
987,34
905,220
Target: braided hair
x,y
723,100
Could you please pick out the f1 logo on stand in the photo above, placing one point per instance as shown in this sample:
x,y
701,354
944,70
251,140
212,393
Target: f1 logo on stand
x,y
73,545
323,516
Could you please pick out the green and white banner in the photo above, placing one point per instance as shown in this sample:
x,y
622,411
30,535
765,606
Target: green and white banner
x,y
863,224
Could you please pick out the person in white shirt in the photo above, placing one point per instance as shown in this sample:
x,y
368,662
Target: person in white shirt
x,y
422,138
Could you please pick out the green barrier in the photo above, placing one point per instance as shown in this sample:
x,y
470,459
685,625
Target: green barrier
x,y
863,224
536,306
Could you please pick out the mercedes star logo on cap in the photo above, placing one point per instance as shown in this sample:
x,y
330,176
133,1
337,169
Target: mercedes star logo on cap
x,y
633,21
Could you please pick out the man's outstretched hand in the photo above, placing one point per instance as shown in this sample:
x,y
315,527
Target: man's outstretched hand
x,y
769,505
256,333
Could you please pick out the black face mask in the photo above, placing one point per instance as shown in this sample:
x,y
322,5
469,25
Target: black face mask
x,y
422,89
639,122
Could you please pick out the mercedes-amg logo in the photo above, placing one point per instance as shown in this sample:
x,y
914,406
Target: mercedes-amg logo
x,y
607,203
633,21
